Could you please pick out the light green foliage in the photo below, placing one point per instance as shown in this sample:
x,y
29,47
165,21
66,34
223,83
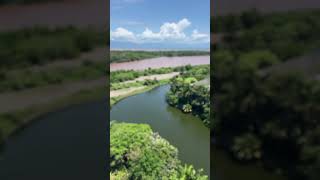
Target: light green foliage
x,y
139,153
126,75
196,72
187,108
190,80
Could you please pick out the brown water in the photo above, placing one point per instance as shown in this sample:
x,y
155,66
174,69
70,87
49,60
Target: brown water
x,y
160,62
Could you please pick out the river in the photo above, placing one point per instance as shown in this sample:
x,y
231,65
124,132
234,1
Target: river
x,y
67,144
160,62
183,131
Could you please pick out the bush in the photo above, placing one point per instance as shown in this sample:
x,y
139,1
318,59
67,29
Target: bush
x,y
190,98
138,153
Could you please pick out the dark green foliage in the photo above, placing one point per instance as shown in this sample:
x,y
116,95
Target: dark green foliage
x,y
40,45
24,79
138,153
273,118
149,82
285,34
270,118
123,56
1,139
190,98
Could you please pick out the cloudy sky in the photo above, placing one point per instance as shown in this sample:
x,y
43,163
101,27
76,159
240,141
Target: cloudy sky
x,y
160,24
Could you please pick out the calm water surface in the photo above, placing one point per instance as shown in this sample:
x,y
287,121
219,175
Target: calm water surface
x,y
67,145
185,132
160,62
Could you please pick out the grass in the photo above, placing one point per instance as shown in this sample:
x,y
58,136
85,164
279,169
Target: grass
x,y
115,100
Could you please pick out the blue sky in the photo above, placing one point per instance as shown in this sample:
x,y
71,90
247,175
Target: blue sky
x,y
160,24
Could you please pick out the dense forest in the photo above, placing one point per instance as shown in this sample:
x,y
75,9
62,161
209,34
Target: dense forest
x,y
136,152
123,56
285,34
272,117
185,95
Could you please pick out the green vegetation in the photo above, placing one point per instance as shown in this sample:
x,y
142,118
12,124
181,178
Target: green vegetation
x,y
118,78
123,56
40,45
127,75
285,34
190,98
271,118
136,152
185,95
198,72
145,87
23,79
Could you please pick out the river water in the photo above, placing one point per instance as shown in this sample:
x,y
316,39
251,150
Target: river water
x,y
67,144
183,131
160,62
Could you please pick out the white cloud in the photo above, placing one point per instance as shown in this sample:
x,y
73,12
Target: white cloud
x,y
122,34
196,36
172,32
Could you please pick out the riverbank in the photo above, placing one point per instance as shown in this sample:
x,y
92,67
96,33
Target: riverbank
x,y
138,85
134,91
14,121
